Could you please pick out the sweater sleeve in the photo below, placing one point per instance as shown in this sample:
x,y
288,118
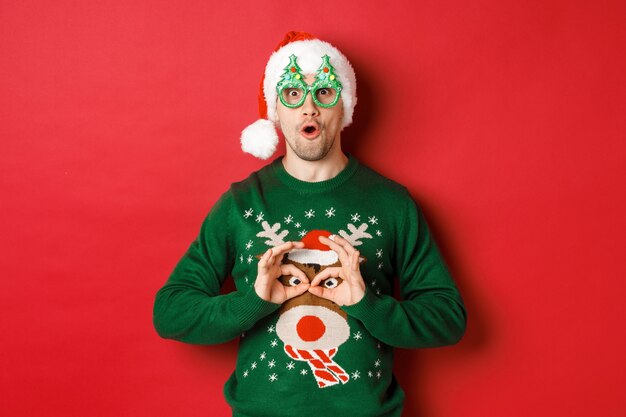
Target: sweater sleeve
x,y
431,312
189,307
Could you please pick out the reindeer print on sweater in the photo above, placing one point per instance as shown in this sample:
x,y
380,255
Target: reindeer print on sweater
x,y
310,329
309,357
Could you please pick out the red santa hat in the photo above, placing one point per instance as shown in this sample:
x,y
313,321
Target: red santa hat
x,y
314,251
260,138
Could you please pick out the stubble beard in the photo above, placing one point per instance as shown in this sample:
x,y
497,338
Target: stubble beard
x,y
310,150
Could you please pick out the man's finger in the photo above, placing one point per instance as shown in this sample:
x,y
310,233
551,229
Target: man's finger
x,y
326,273
322,292
355,260
291,292
278,250
289,269
343,255
264,259
344,243
285,247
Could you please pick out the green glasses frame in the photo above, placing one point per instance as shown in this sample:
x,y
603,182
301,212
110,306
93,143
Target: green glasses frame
x,y
292,78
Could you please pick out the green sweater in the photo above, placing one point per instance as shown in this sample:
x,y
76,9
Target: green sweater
x,y
314,359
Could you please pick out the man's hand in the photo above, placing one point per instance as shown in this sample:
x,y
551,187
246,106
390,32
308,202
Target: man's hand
x,y
270,268
352,289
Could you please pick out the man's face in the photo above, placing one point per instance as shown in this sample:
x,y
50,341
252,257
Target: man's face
x,y
310,130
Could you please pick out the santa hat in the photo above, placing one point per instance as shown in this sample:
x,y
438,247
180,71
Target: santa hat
x,y
314,251
260,138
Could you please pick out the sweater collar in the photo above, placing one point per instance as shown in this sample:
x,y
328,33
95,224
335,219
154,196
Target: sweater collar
x,y
318,186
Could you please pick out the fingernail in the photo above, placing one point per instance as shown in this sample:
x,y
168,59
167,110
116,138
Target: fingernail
x,y
332,237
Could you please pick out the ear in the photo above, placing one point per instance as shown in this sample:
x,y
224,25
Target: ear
x,y
278,104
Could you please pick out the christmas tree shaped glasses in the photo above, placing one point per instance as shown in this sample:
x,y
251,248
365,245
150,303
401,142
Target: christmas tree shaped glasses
x,y
325,90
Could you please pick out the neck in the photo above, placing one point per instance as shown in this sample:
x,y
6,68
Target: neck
x,y
314,171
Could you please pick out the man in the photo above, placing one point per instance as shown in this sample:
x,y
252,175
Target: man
x,y
313,241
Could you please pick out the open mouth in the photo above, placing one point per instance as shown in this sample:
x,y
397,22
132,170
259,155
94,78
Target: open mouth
x,y
310,130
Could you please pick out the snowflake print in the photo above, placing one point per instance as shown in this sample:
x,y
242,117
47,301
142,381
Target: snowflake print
x,y
247,280
377,363
271,329
374,283
379,253
303,372
241,258
250,259
379,233
378,291
253,366
373,220
370,374
271,364
259,217
379,374
273,378
302,233
249,245
245,373
309,213
378,345
357,336
263,356
288,219
355,217
248,213
330,212
356,375
291,365
274,343
297,225
380,265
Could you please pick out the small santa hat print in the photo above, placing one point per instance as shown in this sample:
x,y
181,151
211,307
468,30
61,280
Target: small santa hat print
x,y
260,138
314,251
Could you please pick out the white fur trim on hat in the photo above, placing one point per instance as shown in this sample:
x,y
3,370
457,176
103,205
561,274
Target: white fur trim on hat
x,y
309,54
313,256
260,139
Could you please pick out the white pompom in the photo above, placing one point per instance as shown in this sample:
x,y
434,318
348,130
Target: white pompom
x,y
260,139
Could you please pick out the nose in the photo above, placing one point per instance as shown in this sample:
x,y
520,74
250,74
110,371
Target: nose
x,y
309,108
310,328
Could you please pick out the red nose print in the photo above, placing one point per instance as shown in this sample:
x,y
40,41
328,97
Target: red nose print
x,y
310,328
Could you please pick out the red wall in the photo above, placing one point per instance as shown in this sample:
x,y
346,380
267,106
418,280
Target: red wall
x,y
119,127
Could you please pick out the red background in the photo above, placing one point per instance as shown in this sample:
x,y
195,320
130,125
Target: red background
x,y
119,126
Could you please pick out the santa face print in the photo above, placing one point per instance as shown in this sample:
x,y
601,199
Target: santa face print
x,y
310,130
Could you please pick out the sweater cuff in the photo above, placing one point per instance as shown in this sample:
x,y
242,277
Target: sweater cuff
x,y
365,309
252,308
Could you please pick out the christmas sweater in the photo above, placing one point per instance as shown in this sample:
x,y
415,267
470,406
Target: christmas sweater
x,y
310,357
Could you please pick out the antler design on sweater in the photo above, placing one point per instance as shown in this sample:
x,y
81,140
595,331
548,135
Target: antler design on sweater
x,y
357,233
272,234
